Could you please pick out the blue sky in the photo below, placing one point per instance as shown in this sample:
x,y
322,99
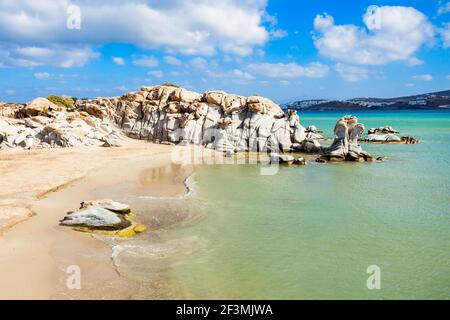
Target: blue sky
x,y
280,49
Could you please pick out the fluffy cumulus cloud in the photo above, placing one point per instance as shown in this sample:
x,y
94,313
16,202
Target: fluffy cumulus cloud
x,y
391,33
201,27
288,70
351,73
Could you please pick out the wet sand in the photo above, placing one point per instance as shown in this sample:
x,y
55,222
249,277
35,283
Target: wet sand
x,y
35,253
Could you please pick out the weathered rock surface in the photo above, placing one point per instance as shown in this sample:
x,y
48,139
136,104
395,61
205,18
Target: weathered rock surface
x,y
384,130
345,145
162,114
95,218
58,129
10,110
170,114
107,204
104,216
387,134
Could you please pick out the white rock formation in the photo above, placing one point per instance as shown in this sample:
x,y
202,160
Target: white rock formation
x,y
164,113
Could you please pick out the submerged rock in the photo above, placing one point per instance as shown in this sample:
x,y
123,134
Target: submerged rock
x,y
409,140
300,161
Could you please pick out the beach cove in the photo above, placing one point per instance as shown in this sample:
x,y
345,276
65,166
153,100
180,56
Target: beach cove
x,y
35,251
252,243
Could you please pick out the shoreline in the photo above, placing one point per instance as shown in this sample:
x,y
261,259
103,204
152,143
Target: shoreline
x,y
30,252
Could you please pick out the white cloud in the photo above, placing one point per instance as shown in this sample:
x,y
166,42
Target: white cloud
x,y
323,22
351,73
423,77
414,62
278,33
200,27
42,75
398,35
118,60
242,74
10,92
54,55
260,53
146,61
444,8
156,73
48,76
445,34
274,33
172,60
199,63
288,70
448,77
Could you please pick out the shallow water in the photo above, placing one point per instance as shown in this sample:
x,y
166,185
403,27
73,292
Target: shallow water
x,y
311,232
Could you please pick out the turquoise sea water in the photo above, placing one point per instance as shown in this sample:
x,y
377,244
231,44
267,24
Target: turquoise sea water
x,y
312,231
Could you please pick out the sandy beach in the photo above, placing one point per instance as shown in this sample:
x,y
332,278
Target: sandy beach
x,y
39,187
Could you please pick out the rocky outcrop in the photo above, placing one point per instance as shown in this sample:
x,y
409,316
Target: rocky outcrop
x,y
345,145
104,216
164,113
382,130
10,110
387,134
57,129
215,119
40,107
171,114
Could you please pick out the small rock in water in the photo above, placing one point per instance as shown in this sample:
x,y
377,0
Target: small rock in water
x,y
301,161
95,217
228,153
105,216
281,158
409,140
345,146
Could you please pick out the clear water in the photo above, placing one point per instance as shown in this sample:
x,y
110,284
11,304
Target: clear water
x,y
311,232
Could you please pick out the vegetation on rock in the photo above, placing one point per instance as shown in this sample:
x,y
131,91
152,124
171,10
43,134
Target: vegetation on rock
x,y
65,102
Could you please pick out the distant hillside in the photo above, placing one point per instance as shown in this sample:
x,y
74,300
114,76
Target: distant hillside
x,y
435,100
